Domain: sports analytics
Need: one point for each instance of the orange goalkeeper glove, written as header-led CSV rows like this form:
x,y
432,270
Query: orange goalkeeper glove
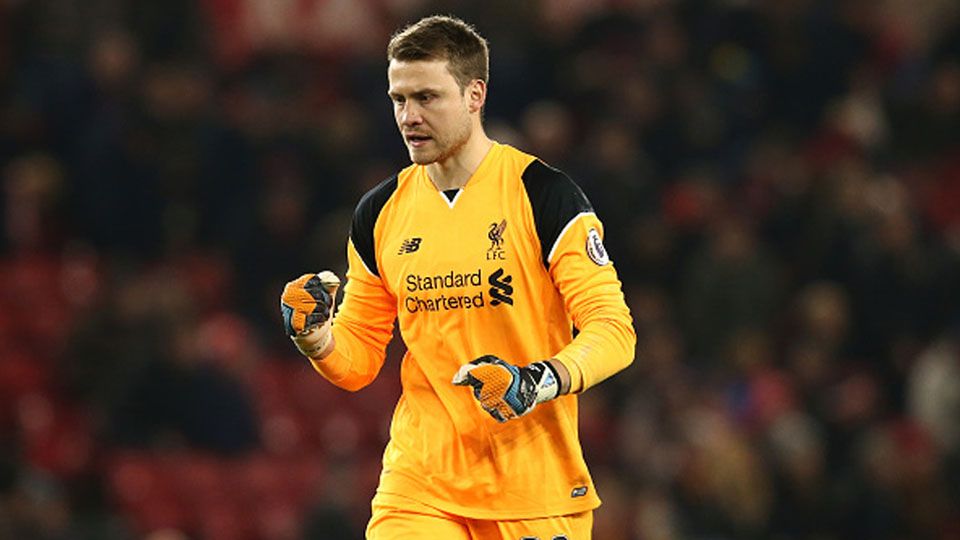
x,y
307,308
507,391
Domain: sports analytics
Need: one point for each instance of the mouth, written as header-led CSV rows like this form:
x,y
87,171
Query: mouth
x,y
417,140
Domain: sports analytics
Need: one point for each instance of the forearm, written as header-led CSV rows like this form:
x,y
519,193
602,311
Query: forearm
x,y
606,342
355,359
603,348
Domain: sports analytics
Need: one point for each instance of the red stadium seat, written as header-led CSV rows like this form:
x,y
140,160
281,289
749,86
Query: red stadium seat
x,y
139,484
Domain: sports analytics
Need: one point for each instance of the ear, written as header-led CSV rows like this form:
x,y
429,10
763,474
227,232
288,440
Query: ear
x,y
476,95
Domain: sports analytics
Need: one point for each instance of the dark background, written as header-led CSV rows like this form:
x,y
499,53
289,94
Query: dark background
x,y
780,187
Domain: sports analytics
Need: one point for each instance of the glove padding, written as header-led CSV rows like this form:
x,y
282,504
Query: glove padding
x,y
307,308
507,391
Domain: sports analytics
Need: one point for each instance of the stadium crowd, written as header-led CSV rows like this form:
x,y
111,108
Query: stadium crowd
x,y
779,183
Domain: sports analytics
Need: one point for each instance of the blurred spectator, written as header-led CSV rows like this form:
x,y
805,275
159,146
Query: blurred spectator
x,y
934,401
730,285
33,188
935,391
182,397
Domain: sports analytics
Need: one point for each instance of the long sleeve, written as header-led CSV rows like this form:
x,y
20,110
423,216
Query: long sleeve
x,y
571,244
362,328
593,297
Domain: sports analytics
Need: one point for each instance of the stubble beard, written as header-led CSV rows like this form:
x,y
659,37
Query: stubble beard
x,y
446,147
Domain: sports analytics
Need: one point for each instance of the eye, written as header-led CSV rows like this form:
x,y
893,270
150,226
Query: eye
x,y
398,99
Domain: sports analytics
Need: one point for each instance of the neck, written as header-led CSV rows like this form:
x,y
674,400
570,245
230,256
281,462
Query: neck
x,y
454,171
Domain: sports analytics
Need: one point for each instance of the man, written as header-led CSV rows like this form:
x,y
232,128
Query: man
x,y
488,258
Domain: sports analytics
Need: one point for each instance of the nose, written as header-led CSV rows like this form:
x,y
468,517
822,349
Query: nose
x,y
409,114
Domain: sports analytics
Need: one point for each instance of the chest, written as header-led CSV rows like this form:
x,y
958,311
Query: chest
x,y
432,248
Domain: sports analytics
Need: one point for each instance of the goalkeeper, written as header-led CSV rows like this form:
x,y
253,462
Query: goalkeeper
x,y
489,259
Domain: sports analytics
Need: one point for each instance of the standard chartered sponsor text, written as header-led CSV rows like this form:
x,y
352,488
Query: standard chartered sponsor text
x,y
416,282
443,302
450,280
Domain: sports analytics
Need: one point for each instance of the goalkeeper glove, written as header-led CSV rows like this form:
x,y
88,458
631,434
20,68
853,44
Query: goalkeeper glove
x,y
507,391
307,308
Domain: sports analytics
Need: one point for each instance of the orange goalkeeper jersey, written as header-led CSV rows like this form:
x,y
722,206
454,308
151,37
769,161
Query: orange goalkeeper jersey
x,y
508,266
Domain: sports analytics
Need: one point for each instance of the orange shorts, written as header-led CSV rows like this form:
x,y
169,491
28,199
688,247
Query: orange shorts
x,y
396,517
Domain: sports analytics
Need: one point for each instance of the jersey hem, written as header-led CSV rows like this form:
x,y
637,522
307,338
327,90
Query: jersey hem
x,y
412,491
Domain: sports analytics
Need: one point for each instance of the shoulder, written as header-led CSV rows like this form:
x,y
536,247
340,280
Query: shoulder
x,y
365,218
555,201
543,183
546,184
373,200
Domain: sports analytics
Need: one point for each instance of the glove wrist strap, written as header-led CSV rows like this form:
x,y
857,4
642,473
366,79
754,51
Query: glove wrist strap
x,y
314,342
548,387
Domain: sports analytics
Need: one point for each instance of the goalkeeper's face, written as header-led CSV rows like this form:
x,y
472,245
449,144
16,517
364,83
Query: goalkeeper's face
x,y
434,114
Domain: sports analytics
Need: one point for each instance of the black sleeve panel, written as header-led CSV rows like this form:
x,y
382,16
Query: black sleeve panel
x,y
364,219
555,200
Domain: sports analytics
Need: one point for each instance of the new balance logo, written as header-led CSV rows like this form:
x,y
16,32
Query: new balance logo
x,y
500,288
410,245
